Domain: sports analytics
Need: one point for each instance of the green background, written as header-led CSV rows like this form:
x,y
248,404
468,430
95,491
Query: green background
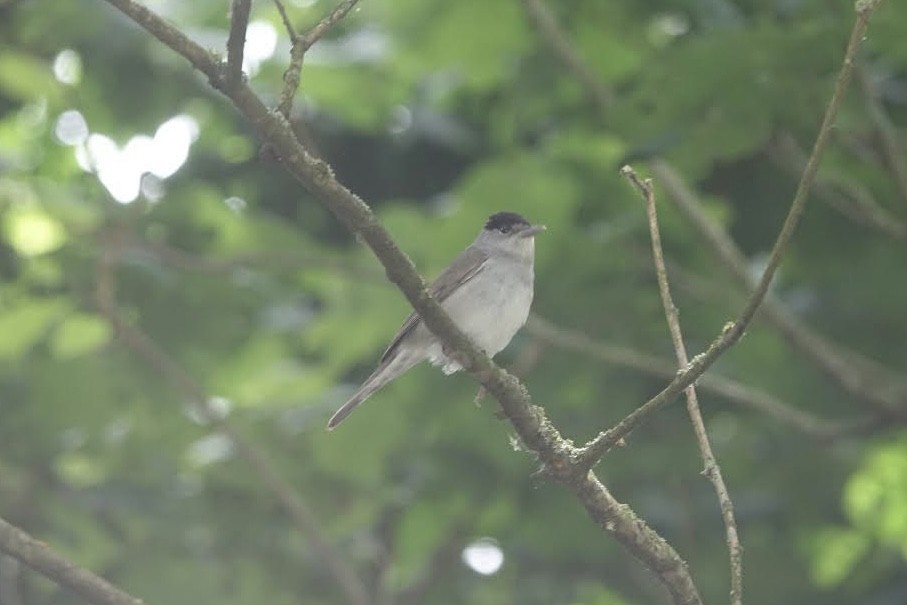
x,y
439,113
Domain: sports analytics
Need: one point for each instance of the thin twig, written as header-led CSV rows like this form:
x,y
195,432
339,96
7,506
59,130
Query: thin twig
x,y
316,33
43,559
886,132
712,470
291,78
146,349
236,41
287,23
733,331
301,45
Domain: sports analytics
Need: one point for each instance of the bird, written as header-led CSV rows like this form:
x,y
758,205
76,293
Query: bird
x,y
487,291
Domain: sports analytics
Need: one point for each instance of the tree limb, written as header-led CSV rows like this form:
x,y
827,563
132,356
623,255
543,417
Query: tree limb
x,y
43,559
712,470
236,42
285,17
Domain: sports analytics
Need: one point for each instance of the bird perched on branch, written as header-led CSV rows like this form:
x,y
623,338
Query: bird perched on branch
x,y
487,291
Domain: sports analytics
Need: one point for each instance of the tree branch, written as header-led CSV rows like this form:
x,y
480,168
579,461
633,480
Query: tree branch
x,y
712,470
40,557
734,330
322,27
287,23
236,41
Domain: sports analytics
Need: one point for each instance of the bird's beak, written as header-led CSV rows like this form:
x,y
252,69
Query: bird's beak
x,y
532,230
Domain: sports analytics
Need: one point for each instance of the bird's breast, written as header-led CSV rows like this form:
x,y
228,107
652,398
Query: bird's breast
x,y
494,305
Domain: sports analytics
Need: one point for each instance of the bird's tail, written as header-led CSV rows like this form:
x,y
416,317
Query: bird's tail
x,y
384,374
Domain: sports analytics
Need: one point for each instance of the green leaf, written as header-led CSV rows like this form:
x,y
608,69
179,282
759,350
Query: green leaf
x,y
80,333
25,78
835,553
478,41
339,89
23,325
32,231
264,372
80,470
876,496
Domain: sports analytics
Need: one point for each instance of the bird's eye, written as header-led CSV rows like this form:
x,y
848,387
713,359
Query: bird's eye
x,y
504,229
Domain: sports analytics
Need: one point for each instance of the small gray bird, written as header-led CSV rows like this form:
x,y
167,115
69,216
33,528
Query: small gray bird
x,y
487,291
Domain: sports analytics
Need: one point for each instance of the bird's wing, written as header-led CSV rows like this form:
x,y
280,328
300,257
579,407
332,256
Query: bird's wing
x,y
469,264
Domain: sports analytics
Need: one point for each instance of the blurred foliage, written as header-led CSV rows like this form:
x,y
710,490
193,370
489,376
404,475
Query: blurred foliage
x,y
437,113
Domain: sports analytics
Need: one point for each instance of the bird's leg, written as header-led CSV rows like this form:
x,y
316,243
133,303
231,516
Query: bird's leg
x,y
480,395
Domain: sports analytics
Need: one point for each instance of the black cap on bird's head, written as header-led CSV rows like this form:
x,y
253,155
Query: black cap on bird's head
x,y
505,220
511,222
